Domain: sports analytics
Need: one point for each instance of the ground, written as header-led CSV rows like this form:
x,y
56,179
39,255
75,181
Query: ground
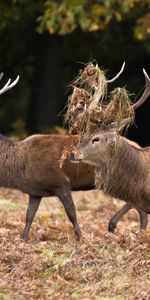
x,y
53,265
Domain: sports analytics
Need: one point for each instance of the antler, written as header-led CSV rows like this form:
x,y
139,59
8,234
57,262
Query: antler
x,y
101,89
146,92
118,74
1,75
8,84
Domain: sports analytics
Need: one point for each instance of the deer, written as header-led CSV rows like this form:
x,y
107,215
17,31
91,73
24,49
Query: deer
x,y
33,166
122,168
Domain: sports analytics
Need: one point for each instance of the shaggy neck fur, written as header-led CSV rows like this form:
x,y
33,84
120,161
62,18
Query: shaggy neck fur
x,y
122,172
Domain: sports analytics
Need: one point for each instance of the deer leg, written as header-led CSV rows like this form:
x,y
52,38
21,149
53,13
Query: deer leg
x,y
143,219
118,215
67,201
31,211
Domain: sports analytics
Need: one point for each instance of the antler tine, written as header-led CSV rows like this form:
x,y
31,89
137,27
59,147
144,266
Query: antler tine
x,y
8,86
98,91
118,74
1,75
146,92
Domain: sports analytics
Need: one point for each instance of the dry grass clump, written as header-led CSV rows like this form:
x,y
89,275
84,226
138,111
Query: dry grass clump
x,y
119,109
87,107
88,111
70,145
77,110
89,85
92,78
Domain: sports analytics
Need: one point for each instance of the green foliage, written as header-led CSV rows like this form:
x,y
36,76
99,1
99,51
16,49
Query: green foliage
x,y
65,16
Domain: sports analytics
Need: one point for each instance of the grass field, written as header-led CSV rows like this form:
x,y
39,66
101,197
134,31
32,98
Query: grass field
x,y
53,265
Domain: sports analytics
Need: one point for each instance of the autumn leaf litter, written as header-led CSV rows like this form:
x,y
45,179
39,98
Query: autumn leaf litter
x,y
54,265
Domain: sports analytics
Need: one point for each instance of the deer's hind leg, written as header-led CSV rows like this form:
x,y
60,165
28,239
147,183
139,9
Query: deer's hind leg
x,y
117,217
143,219
119,214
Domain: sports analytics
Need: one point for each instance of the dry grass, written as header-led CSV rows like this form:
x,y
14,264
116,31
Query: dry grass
x,y
87,108
53,265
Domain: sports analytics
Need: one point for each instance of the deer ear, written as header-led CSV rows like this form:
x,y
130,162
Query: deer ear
x,y
123,124
114,127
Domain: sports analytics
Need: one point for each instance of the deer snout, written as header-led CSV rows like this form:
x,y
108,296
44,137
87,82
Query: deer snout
x,y
75,157
72,157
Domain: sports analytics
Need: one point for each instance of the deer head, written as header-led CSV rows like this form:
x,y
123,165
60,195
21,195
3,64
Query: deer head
x,y
95,148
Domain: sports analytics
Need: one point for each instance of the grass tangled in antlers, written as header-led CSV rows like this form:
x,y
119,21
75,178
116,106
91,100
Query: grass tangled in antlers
x,y
88,109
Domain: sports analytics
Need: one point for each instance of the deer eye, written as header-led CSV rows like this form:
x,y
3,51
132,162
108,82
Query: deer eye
x,y
95,140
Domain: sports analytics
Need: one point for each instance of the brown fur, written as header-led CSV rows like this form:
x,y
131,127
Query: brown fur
x,y
33,166
122,170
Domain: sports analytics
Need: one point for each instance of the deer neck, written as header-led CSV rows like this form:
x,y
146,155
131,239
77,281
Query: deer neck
x,y
115,175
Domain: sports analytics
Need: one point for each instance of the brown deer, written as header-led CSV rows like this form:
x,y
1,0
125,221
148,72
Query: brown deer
x,y
122,170
33,166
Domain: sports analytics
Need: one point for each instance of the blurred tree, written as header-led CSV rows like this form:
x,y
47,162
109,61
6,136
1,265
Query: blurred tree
x,y
17,35
42,40
63,17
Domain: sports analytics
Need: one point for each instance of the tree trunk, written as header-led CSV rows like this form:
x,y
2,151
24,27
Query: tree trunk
x,y
47,93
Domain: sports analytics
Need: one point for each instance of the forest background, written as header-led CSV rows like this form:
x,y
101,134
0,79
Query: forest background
x,y
47,42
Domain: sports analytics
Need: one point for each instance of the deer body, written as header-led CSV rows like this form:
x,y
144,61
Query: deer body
x,y
33,166
122,170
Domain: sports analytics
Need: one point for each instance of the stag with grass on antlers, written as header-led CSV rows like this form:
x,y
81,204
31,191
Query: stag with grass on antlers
x,y
122,168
